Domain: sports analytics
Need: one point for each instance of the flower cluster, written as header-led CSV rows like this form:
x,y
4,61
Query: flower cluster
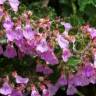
x,y
26,36
19,89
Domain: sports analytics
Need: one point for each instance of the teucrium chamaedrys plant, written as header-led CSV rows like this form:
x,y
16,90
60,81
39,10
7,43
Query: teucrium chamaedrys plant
x,y
50,44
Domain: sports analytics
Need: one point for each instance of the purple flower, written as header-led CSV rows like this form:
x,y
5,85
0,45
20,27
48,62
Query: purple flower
x,y
88,70
92,32
20,79
94,59
39,68
18,33
6,89
35,93
92,79
80,80
66,55
45,92
14,4
52,89
32,43
10,51
49,57
24,47
42,46
47,70
63,43
2,1
16,92
71,90
28,33
1,50
62,80
67,26
21,44
8,24
44,69
10,35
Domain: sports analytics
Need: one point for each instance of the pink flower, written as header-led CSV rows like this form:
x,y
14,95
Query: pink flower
x,y
47,70
49,57
10,35
67,26
62,80
42,46
10,51
52,89
71,90
44,69
2,1
8,23
28,33
66,55
16,92
6,89
63,43
14,4
88,70
39,68
34,91
20,79
18,32
45,92
80,80
92,79
92,32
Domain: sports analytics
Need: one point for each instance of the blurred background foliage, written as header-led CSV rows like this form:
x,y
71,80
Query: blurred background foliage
x,y
75,11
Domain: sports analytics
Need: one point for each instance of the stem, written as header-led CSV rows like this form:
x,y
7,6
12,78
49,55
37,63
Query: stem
x,y
74,7
80,94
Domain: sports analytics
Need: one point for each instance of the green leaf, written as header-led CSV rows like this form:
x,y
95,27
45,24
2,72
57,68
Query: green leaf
x,y
73,61
83,3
